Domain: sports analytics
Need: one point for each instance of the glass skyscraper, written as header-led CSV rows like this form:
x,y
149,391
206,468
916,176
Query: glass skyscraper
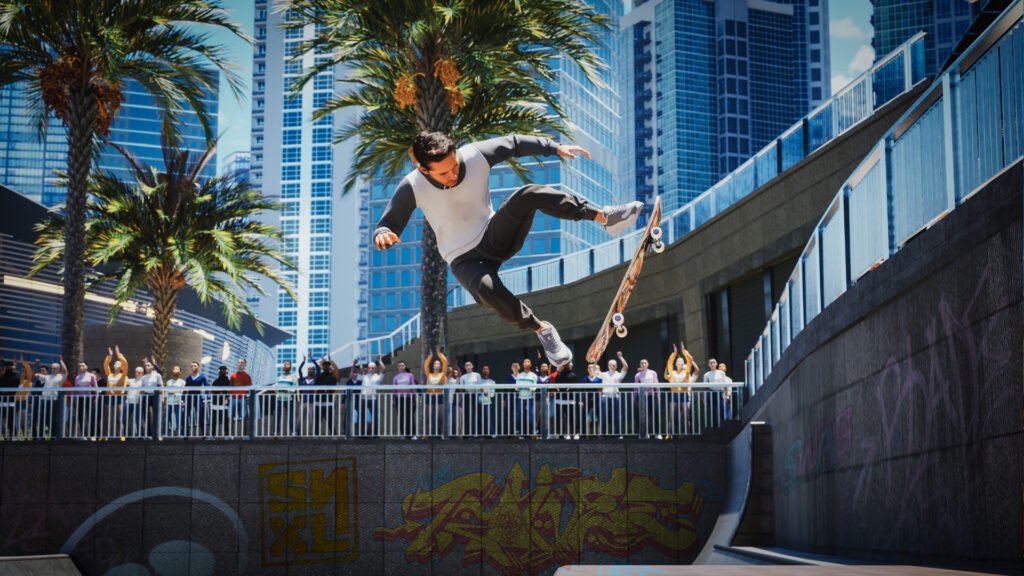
x,y
293,159
713,82
28,164
945,21
389,281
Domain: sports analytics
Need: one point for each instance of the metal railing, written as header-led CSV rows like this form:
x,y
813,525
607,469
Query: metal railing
x,y
890,77
570,411
966,128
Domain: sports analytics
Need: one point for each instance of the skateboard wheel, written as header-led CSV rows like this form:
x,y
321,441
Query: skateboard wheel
x,y
659,247
621,331
656,233
618,319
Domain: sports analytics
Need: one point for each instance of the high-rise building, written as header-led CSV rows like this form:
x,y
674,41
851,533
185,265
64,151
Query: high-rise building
x,y
29,165
293,159
712,82
945,22
238,164
390,280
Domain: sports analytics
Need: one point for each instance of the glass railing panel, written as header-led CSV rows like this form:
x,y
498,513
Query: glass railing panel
x,y
979,123
606,256
888,80
577,265
833,246
743,182
681,222
777,347
820,126
869,221
919,174
792,147
812,284
630,243
1011,58
917,70
514,280
853,105
784,320
545,275
796,296
759,364
766,164
703,209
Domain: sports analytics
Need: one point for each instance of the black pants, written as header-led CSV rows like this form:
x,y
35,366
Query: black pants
x,y
477,270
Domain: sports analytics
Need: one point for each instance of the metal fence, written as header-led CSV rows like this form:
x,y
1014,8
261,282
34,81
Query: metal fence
x,y
570,411
965,128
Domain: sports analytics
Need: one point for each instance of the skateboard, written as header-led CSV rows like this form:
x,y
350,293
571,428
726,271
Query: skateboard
x,y
615,321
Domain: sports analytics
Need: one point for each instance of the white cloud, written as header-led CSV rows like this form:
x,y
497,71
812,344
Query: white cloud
x,y
862,60
846,29
839,81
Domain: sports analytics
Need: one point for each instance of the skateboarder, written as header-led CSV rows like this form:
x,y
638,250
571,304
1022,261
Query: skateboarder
x,y
451,187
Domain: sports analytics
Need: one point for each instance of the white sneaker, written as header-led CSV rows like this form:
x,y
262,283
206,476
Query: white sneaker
x,y
622,217
557,352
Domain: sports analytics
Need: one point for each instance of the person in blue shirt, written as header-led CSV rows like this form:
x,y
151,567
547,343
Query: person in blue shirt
x,y
195,400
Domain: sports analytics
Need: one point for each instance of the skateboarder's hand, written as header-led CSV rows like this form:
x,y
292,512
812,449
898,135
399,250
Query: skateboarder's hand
x,y
570,151
385,240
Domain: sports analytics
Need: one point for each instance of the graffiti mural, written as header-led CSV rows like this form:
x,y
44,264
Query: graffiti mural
x,y
820,451
308,512
516,529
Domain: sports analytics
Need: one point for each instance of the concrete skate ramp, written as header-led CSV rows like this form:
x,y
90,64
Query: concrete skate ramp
x,y
833,570
50,565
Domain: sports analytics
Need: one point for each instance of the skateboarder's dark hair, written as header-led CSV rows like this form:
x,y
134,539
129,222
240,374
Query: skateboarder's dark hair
x,y
429,147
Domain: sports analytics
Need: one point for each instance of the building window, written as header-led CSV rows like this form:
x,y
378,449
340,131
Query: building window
x,y
322,171
320,190
321,226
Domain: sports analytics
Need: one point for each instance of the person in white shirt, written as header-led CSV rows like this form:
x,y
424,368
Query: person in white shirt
x,y
374,376
286,413
152,379
131,415
451,187
650,395
173,400
485,399
610,415
48,399
464,401
526,380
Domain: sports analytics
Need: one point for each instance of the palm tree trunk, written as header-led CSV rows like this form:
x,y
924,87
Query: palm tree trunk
x,y
433,296
81,125
432,114
164,300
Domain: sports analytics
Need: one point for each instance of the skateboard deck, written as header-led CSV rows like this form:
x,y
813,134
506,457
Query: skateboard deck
x,y
629,279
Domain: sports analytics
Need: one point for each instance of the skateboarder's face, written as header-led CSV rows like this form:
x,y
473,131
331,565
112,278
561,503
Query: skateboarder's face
x,y
445,171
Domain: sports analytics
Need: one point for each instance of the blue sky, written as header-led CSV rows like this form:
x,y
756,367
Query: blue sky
x,y
849,28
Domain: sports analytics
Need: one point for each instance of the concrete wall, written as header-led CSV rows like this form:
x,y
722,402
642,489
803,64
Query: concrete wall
x,y
361,508
897,413
767,228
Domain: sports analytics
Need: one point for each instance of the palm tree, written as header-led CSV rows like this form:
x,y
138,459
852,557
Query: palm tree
x,y
168,230
472,68
72,56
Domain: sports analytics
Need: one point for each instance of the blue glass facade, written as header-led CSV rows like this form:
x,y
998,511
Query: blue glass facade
x,y
28,164
713,82
390,282
945,21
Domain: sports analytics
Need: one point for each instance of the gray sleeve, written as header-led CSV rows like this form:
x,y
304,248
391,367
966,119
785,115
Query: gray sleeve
x,y
515,146
398,212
